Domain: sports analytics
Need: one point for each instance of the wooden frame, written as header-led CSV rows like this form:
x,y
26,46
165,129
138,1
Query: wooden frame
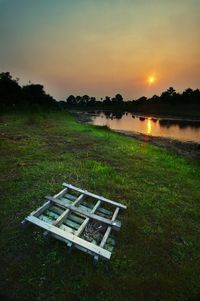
x,y
80,219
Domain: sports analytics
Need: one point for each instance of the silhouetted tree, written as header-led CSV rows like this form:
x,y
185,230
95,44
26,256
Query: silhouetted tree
x,y
92,101
78,99
167,95
71,100
119,98
107,101
10,90
85,99
35,94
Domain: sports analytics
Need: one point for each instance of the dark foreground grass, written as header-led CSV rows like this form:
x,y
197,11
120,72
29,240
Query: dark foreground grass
x,y
157,256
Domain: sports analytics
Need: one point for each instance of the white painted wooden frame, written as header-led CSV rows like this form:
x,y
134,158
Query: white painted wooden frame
x,y
67,217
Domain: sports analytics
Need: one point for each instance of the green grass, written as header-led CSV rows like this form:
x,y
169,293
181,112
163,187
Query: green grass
x,y
157,256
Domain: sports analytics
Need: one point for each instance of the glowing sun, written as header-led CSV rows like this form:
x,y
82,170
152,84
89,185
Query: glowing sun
x,y
151,80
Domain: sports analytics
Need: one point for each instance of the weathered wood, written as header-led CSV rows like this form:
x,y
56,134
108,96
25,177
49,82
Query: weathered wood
x,y
69,197
61,193
84,224
51,214
94,196
74,217
71,224
72,214
69,237
63,216
114,224
67,228
57,210
45,206
48,204
46,219
41,209
107,233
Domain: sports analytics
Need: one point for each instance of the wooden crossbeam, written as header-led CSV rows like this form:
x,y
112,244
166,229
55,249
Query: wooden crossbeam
x,y
114,224
107,233
69,237
46,205
86,221
94,196
63,216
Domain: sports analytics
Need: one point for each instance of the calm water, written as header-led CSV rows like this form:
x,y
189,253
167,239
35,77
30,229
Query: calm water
x,y
177,129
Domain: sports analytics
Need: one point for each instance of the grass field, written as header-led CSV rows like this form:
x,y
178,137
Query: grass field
x,y
157,256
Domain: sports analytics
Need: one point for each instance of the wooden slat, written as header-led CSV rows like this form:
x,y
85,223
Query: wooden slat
x,y
86,221
67,228
66,201
41,209
57,210
94,196
85,209
85,203
114,224
107,233
51,214
45,206
76,218
61,193
70,197
71,224
69,237
61,218
46,219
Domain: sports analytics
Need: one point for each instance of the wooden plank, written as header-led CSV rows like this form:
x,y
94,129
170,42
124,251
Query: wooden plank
x,y
107,233
114,224
84,224
104,211
70,197
63,216
61,193
74,217
94,196
71,224
66,201
45,206
88,205
46,219
67,228
69,244
51,214
69,237
41,209
84,209
57,210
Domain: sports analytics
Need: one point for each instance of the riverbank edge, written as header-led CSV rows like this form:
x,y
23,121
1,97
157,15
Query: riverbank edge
x,y
186,148
164,116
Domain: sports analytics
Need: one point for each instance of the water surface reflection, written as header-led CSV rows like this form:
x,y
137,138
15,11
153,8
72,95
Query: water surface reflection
x,y
171,128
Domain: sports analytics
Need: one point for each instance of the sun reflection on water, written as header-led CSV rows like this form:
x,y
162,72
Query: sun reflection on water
x,y
149,126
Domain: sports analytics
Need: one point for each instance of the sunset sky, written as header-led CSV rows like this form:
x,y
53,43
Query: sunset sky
x,y
102,47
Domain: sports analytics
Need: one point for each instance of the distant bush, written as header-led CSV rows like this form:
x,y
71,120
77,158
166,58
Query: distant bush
x,y
168,100
13,95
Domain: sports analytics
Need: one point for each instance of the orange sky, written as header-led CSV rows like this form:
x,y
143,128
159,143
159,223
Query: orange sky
x,y
102,47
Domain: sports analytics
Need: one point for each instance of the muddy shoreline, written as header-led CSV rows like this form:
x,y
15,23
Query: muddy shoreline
x,y
187,148
191,149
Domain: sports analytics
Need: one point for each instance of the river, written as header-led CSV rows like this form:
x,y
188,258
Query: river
x,y
180,129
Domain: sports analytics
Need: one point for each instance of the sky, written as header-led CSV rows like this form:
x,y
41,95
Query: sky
x,y
102,47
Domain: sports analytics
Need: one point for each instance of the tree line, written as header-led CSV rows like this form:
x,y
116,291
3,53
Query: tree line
x,y
170,96
12,94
